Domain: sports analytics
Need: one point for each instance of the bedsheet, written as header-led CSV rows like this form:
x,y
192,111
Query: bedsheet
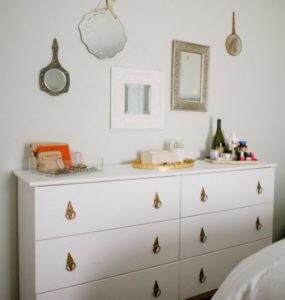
x,y
260,276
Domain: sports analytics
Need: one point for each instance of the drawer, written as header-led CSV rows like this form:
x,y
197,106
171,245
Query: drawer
x,y
137,285
104,205
204,193
103,254
210,232
207,272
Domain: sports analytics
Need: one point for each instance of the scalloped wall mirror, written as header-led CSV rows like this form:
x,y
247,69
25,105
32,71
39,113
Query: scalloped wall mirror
x,y
102,32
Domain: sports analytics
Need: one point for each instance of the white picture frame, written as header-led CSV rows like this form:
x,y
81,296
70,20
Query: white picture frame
x,y
137,99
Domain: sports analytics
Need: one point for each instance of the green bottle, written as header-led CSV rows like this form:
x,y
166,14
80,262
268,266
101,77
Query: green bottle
x,y
219,140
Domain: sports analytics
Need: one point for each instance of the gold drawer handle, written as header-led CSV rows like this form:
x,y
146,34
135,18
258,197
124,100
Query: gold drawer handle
x,y
70,212
203,237
156,247
156,202
203,196
70,264
156,290
259,188
202,276
258,224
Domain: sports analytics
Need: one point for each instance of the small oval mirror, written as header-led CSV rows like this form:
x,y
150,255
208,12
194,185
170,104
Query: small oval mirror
x,y
54,79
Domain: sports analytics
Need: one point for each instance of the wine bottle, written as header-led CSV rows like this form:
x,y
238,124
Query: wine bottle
x,y
219,140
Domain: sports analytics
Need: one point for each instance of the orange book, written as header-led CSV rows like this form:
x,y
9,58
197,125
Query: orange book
x,y
63,148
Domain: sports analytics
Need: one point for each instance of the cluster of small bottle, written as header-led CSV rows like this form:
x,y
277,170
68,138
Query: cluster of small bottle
x,y
233,150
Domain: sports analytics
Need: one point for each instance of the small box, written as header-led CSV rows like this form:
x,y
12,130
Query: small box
x,y
158,157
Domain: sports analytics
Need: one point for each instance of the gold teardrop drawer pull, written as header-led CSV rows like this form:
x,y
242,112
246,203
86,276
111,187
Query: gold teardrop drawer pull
x,y
70,264
258,224
156,290
203,196
70,213
156,247
259,188
203,237
156,202
202,276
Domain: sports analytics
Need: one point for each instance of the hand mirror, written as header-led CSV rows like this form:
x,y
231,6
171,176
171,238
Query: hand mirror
x,y
233,41
54,79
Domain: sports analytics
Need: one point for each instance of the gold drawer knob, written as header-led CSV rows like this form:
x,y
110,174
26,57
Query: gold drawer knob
x,y
156,247
70,264
202,276
203,237
156,290
203,196
258,224
259,188
156,202
70,212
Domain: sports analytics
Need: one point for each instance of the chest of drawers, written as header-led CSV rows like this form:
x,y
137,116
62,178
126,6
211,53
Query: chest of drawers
x,y
128,234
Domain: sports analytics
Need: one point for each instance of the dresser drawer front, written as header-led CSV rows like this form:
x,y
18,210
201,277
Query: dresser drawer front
x,y
104,205
103,254
204,193
211,232
137,285
216,266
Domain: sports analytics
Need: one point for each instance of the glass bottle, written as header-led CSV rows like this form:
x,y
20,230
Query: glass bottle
x,y
219,140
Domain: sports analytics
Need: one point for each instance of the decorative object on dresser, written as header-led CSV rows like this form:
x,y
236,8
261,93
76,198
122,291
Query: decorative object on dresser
x,y
137,98
57,159
178,235
102,32
233,41
189,83
234,152
163,160
54,79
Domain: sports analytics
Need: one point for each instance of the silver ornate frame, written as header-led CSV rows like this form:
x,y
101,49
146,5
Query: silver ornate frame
x,y
178,103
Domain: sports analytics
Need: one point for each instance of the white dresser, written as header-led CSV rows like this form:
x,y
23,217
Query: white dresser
x,y
129,234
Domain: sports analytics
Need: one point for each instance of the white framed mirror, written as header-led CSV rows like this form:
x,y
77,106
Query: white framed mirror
x,y
189,86
137,99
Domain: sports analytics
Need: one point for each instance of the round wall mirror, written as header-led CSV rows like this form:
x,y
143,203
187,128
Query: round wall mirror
x,y
54,79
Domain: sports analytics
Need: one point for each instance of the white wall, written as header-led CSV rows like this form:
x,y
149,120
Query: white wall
x,y
245,91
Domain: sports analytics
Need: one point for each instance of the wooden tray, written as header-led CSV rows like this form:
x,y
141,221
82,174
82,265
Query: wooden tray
x,y
232,162
170,166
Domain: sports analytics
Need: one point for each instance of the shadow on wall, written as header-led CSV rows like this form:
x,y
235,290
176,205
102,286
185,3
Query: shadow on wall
x,y
205,152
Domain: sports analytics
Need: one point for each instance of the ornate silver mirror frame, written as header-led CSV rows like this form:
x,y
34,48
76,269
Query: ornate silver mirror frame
x,y
54,79
189,84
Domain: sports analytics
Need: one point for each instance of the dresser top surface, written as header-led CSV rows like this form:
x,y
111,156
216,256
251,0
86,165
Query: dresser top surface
x,y
127,172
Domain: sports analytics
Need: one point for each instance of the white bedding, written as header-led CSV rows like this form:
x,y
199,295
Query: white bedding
x,y
260,276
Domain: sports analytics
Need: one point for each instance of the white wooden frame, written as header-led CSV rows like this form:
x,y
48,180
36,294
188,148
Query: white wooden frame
x,y
121,120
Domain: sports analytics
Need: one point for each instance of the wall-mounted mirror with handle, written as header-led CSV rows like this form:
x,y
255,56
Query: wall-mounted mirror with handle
x,y
189,76
54,79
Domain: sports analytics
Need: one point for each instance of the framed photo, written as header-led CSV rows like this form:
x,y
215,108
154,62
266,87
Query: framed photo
x,y
137,99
